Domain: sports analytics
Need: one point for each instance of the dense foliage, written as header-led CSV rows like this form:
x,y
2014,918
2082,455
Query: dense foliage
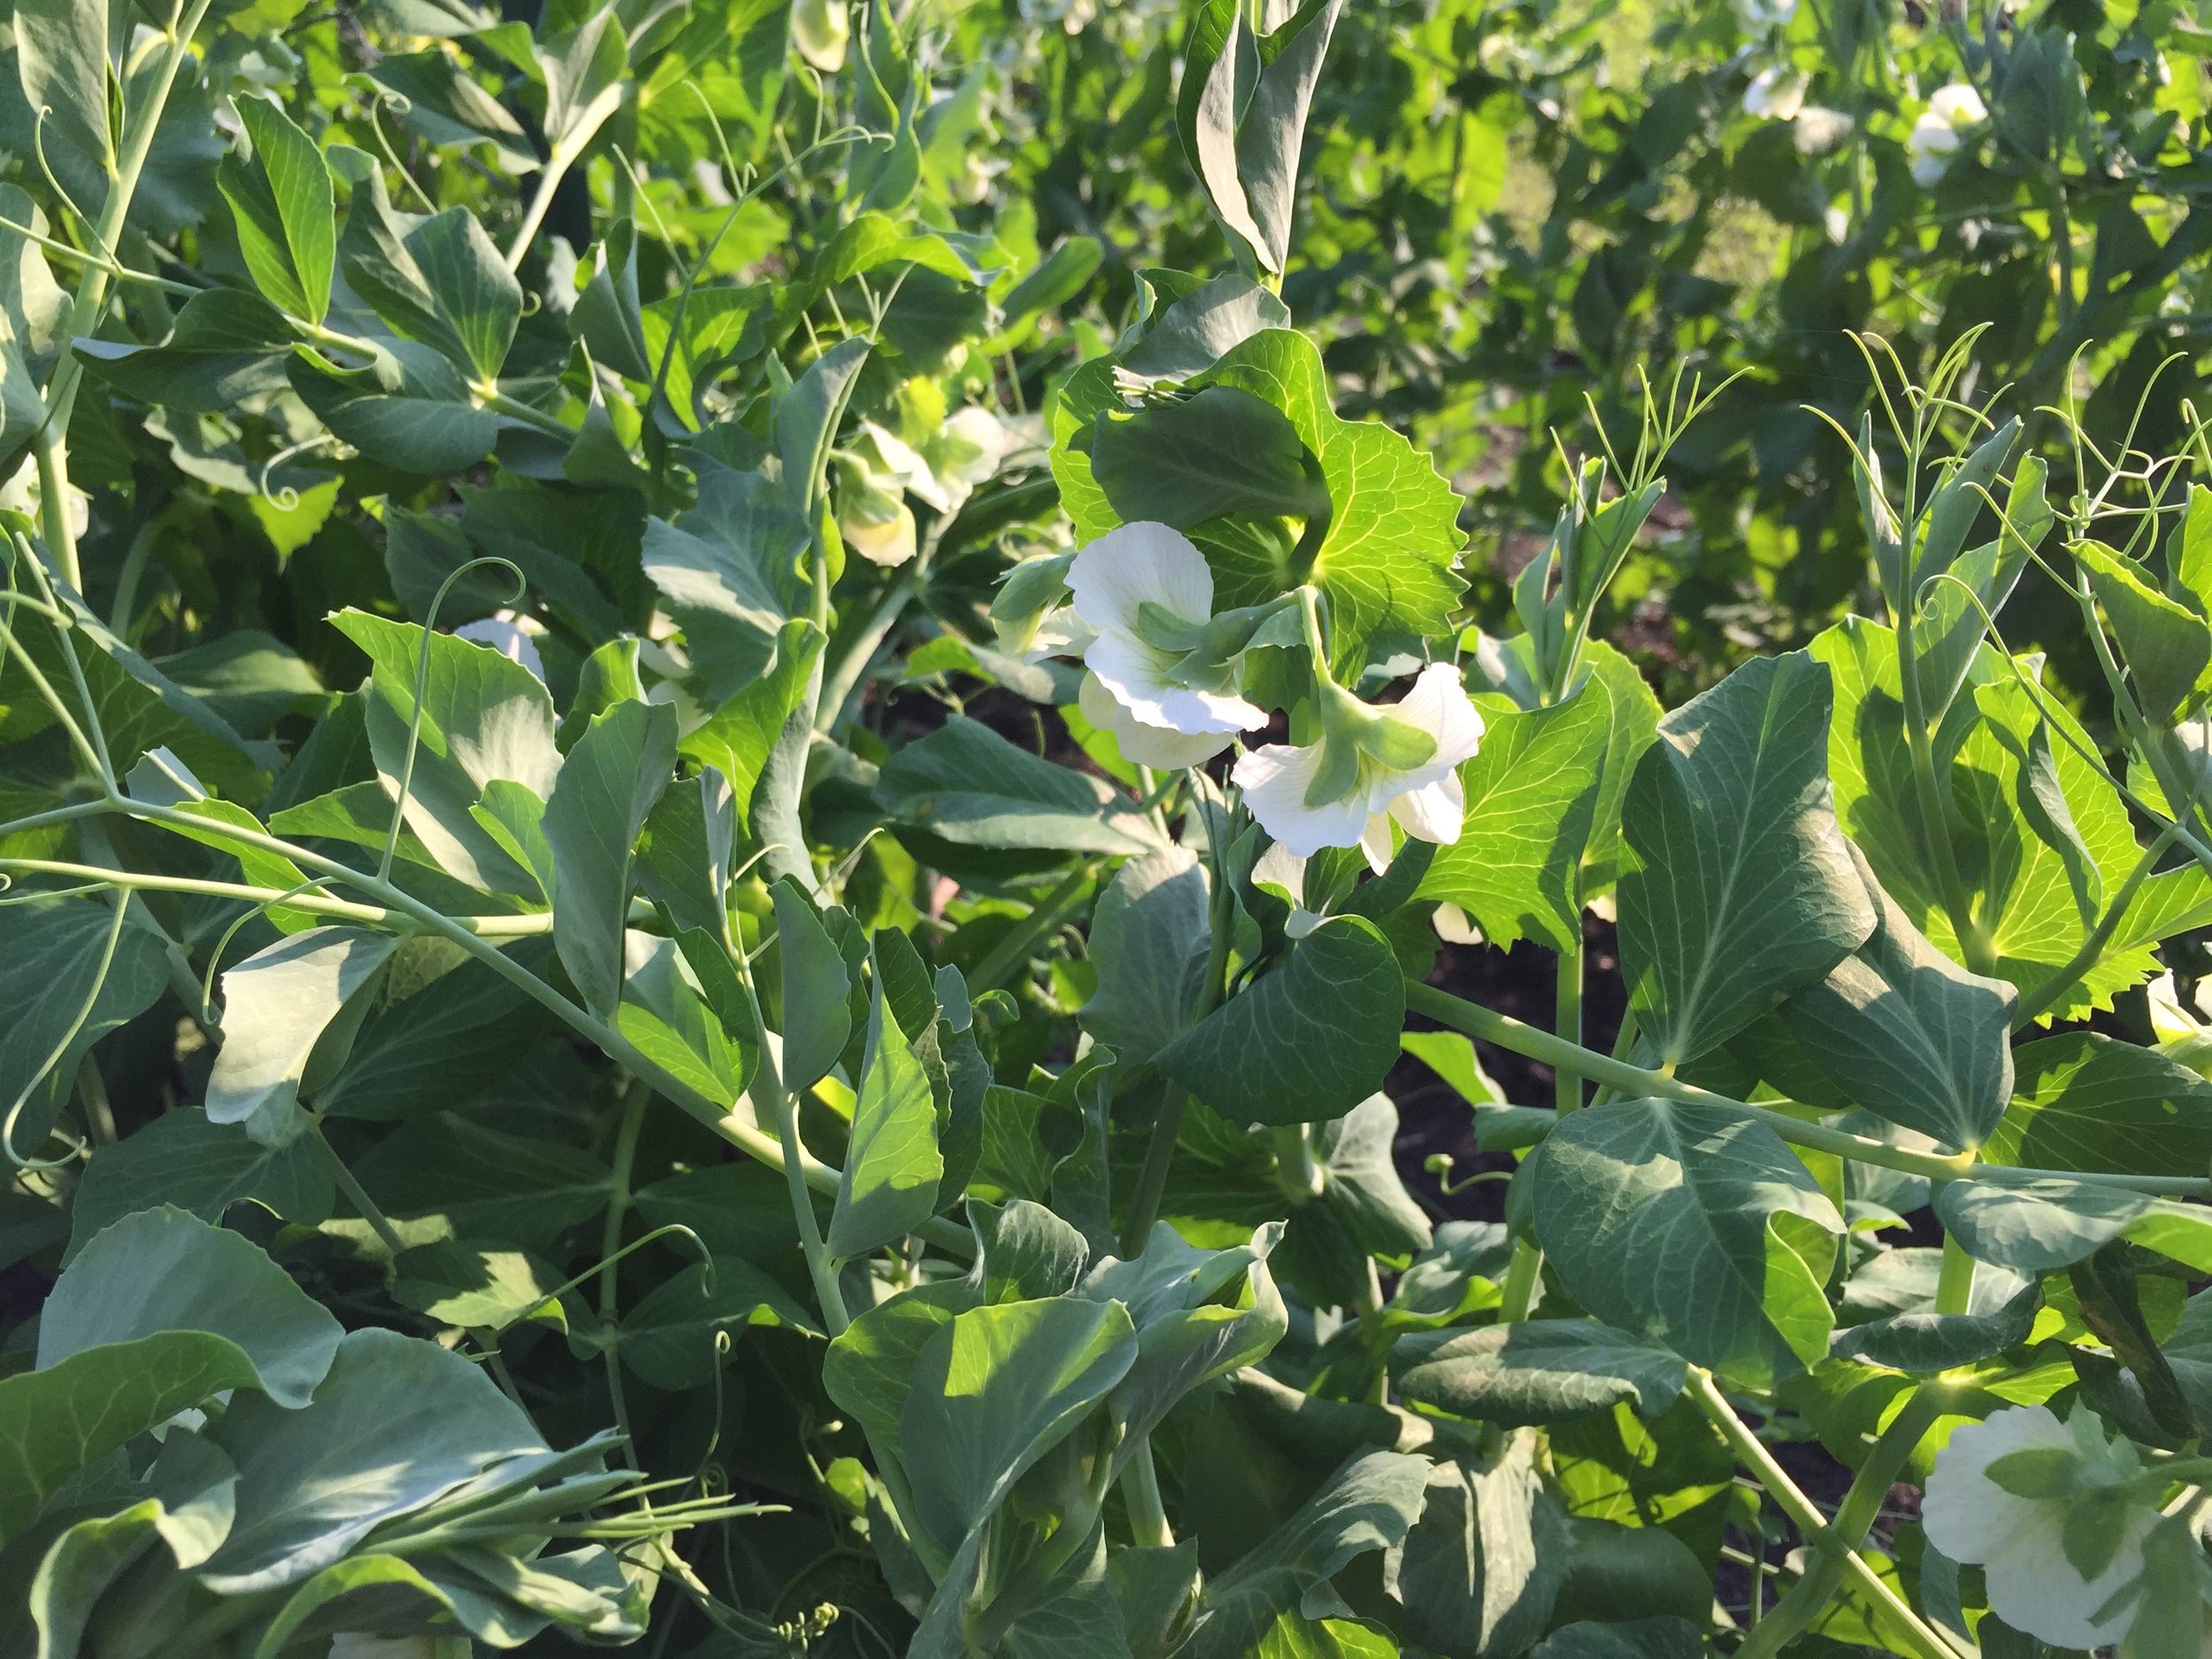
x,y
747,747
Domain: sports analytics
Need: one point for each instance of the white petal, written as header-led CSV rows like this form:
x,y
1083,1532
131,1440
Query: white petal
x,y
1453,927
1060,633
2034,1587
1191,710
1959,104
1440,706
1968,1516
1280,867
1376,842
1135,673
1144,745
1126,567
1435,812
1274,779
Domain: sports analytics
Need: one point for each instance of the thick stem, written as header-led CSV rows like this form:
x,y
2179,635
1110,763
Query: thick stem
x,y
1954,1285
1925,1642
610,1238
1521,1279
1141,1491
1567,1022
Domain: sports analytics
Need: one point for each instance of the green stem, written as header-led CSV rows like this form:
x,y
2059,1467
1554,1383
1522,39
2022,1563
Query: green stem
x,y
840,683
1925,1642
358,1195
1567,1022
1521,1279
1954,1285
2038,1001
92,293
1636,1082
1141,1491
1047,914
611,1238
1823,1575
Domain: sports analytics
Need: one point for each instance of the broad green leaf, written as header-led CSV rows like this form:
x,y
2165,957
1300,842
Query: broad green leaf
x,y
2084,1100
1024,1251
438,280
370,1573
182,1159
741,1209
698,1037
1191,334
1360,1180
599,804
2167,647
1692,1227
737,742
1737,889
2019,883
227,345
586,71
1663,1636
817,1016
423,424
290,1013
1479,1572
1272,131
1927,1342
475,1286
889,1185
670,1337
314,1482
287,220
1150,935
80,1565
1531,793
50,974
523,1190
1909,1034
444,105
1223,451
1310,1040
1185,1337
62,62
166,1270
1058,278
2034,1226
964,783
483,718
1368,1503
727,570
1385,561
1958,501
57,1422
993,1391
808,417
427,1045
606,317
1552,1370
33,319
869,1369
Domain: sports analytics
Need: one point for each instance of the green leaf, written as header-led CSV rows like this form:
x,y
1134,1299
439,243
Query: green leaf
x,y
1737,889
1552,1370
287,212
727,572
1309,1041
670,1337
869,1369
437,280
80,1565
61,58
1479,1571
1694,1227
227,346
182,1159
166,1270
423,423
1272,130
1024,1251
1384,563
606,317
1057,279
1221,450
279,1007
484,717
606,789
889,1185
1150,935
475,1284
1370,1504
1667,1636
1532,791
50,973
807,419
738,740
817,1016
312,1483
1929,1342
683,1007
433,1044
994,1390
54,1423
1189,1332
2166,645
336,1582
1908,1033
2034,1226
2084,1100
523,1190
964,783
586,71
1353,1155
742,1209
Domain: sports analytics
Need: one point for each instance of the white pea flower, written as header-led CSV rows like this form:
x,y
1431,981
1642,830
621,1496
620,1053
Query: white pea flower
x,y
1149,593
1059,633
1777,93
967,454
1424,796
1959,104
1285,871
1453,926
509,634
1142,743
1935,136
1757,16
1976,1510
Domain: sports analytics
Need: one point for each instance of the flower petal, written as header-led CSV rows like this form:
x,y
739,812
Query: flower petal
x,y
1436,813
1142,744
1967,1515
1274,778
1138,563
2034,1587
1376,842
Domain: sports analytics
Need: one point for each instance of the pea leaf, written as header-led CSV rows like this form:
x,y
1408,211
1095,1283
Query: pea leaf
x,y
182,1159
1552,1370
1737,889
287,212
966,784
290,1013
1692,1227
889,1185
1150,935
816,1017
1385,562
50,960
2084,1100
227,345
1532,794
669,1337
1309,1041
606,789
2034,1226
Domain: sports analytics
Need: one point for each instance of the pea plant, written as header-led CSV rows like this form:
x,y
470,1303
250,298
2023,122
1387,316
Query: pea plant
x,y
713,895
